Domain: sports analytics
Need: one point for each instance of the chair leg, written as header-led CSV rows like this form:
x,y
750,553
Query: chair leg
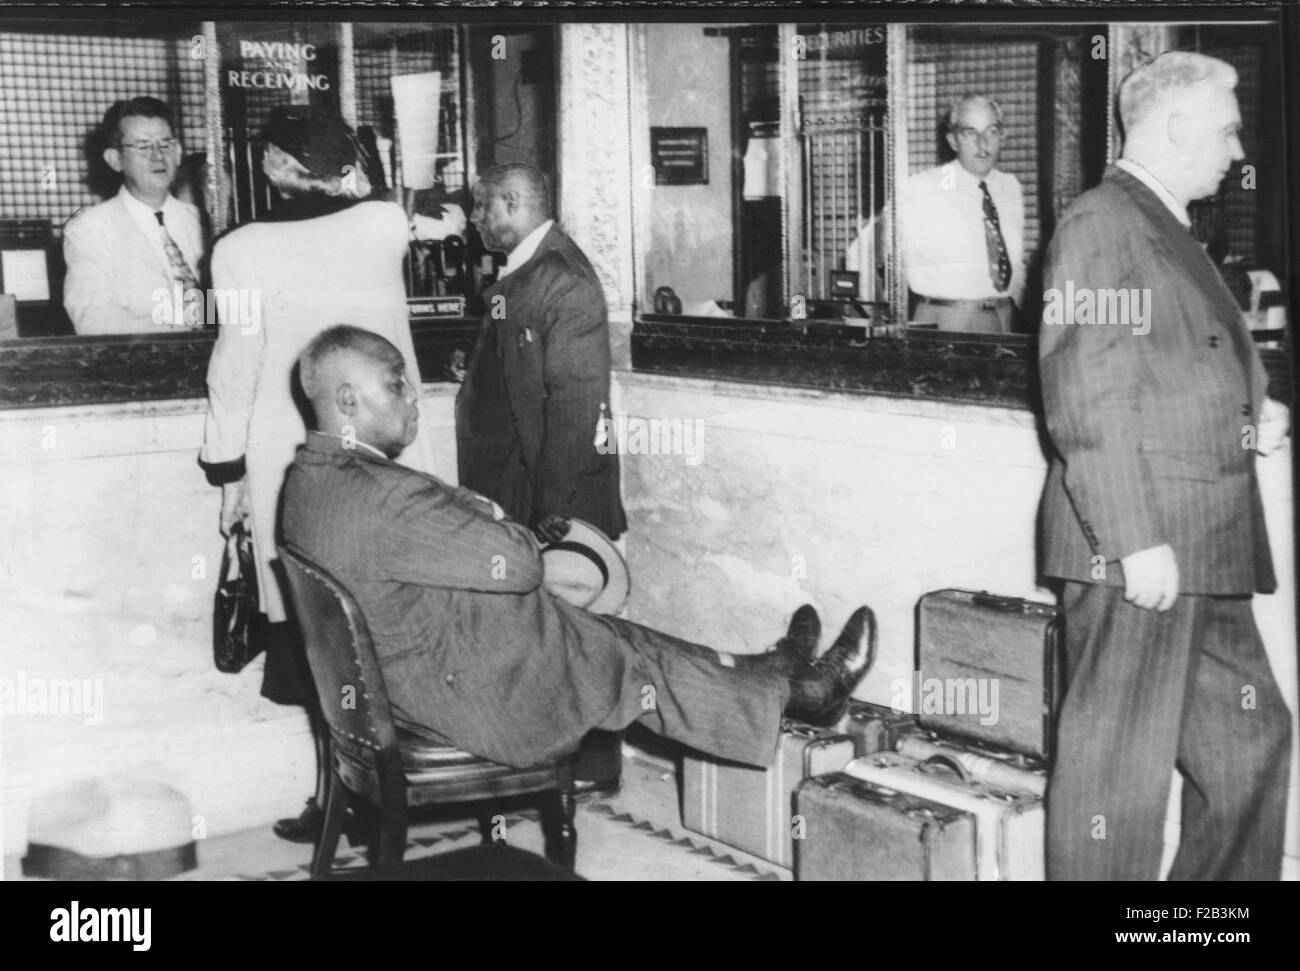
x,y
392,837
561,835
336,802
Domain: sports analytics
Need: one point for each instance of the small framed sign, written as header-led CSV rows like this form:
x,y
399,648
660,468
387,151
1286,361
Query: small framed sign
x,y
25,273
424,308
680,155
844,284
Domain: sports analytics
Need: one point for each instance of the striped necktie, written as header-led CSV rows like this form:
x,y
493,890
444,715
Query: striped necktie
x,y
999,261
183,274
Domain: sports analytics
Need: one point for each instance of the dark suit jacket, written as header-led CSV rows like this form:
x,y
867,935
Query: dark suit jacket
x,y
1148,430
469,642
526,416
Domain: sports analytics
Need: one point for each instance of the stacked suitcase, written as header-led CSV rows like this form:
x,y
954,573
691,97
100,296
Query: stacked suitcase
x,y
749,808
955,792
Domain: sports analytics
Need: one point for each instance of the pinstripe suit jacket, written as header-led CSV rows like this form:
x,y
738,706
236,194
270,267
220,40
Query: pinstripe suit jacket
x,y
526,415
470,644
1148,429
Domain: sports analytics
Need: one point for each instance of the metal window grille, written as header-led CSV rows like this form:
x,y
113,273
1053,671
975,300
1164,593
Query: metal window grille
x,y
842,159
54,90
845,141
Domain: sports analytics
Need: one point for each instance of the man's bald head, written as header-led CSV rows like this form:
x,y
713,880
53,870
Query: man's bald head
x,y
333,355
510,201
356,383
524,179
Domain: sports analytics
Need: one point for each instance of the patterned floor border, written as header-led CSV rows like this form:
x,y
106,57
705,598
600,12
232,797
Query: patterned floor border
x,y
422,846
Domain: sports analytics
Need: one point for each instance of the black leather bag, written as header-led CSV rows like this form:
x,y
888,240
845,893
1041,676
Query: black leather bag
x,y
239,629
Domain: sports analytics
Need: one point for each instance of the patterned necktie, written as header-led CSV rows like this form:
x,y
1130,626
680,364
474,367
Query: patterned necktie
x,y
183,274
999,261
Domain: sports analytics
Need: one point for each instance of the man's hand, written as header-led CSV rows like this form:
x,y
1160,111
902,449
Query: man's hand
x,y
1274,425
234,504
551,528
1151,578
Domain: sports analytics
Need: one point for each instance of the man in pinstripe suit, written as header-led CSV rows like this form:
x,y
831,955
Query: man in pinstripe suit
x,y
1155,402
470,644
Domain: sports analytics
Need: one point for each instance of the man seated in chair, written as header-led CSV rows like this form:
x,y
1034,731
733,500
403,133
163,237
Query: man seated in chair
x,y
471,645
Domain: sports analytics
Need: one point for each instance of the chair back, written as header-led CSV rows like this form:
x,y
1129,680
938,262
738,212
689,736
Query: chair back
x,y
349,683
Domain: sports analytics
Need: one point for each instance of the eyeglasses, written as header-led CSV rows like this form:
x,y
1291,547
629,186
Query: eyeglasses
x,y
163,146
970,134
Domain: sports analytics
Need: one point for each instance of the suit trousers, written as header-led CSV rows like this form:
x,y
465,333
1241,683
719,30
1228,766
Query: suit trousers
x,y
1147,692
685,692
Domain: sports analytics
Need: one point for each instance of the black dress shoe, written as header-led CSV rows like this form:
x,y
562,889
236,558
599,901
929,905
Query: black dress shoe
x,y
793,652
804,633
306,827
819,694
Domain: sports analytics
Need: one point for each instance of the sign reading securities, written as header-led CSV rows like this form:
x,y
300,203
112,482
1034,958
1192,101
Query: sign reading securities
x,y
680,155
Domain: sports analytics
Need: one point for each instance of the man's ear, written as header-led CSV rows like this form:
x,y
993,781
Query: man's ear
x,y
345,399
1178,127
511,198
113,158
952,141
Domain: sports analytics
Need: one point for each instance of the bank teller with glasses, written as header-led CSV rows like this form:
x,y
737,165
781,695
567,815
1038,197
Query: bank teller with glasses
x,y
130,255
963,228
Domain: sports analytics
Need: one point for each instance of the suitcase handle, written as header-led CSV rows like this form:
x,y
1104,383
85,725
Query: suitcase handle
x,y
950,762
986,599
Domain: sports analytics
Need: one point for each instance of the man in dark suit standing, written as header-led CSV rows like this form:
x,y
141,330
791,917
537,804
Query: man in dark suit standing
x,y
536,387
538,378
471,645
1155,402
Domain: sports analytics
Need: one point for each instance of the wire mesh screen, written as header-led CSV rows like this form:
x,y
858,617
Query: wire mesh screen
x,y
942,72
54,90
386,50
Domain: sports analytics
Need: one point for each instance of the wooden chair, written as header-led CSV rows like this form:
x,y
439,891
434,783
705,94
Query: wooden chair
x,y
393,765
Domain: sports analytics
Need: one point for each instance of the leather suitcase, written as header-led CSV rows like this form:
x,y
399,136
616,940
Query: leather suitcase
x,y
749,808
990,669
876,728
1010,828
855,830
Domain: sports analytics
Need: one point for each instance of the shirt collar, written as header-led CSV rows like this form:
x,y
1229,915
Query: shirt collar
x,y
1143,175
338,441
968,178
142,212
522,253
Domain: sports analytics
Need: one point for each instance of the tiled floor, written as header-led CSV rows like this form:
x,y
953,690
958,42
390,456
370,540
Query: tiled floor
x,y
635,835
